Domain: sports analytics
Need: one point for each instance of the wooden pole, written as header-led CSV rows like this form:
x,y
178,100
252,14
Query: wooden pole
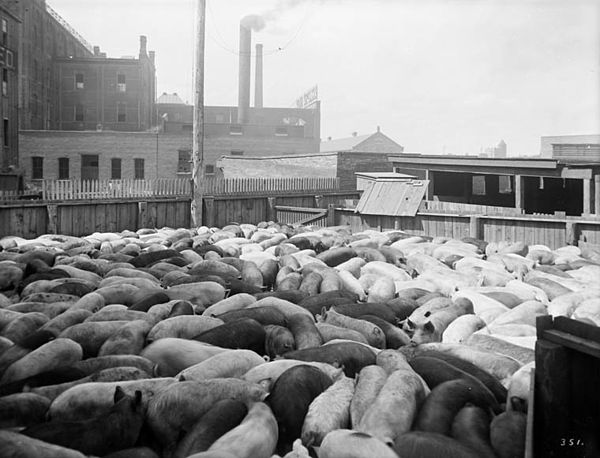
x,y
198,132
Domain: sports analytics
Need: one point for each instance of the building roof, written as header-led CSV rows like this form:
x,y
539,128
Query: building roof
x,y
385,175
343,144
392,198
170,98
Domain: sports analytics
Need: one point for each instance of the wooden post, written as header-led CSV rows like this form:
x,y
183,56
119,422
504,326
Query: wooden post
x,y
271,210
597,194
571,233
142,215
210,211
331,215
319,201
429,191
198,133
52,218
587,196
475,227
519,192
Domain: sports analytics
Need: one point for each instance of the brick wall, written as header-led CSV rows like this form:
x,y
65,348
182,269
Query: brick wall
x,y
128,146
351,162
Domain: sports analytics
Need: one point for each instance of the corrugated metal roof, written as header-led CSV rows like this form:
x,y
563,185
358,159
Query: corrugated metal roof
x,y
392,198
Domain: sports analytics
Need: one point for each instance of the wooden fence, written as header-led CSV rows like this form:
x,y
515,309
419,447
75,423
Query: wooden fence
x,y
436,206
552,231
60,190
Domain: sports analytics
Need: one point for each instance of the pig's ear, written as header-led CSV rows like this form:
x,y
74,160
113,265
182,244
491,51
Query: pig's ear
x,y
119,394
429,327
410,324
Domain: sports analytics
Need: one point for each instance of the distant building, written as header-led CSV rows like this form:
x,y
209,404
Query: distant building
x,y
585,148
9,89
369,143
341,164
496,151
100,93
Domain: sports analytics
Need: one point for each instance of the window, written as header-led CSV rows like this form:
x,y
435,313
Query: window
x,y
9,59
115,168
504,184
63,168
209,170
281,131
79,112
5,131
4,33
138,168
121,86
478,184
121,112
235,129
4,81
78,80
37,168
219,118
184,162
237,152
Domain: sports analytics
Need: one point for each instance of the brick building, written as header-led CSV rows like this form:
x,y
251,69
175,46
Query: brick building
x,y
9,89
44,37
100,93
368,143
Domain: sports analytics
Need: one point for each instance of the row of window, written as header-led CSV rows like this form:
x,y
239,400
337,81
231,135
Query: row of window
x,y
121,84
79,112
89,167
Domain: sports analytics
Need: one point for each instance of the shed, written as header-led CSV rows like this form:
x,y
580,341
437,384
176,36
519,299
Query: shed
x,y
400,197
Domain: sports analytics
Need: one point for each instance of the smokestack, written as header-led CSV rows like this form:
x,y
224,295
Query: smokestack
x,y
152,56
258,77
244,75
143,40
96,51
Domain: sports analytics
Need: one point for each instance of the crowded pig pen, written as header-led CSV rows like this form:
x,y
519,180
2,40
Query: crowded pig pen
x,y
271,340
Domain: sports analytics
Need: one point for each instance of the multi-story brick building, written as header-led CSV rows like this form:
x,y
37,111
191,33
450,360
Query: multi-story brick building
x,y
9,89
98,93
45,36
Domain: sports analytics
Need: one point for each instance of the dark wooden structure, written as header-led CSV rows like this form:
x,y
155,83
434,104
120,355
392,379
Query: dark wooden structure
x,y
567,399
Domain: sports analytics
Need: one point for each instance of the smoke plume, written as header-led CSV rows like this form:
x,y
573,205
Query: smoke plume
x,y
258,22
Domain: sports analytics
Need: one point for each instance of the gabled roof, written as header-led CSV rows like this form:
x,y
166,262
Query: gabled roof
x,y
170,98
343,144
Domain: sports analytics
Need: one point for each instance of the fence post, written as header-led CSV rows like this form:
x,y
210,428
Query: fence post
x,y
475,227
142,221
571,232
331,215
271,210
52,218
319,201
209,214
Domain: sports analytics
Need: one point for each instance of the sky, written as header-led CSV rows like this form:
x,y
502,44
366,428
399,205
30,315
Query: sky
x,y
438,76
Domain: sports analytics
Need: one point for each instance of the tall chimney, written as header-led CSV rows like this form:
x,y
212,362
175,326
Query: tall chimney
x,y
244,75
143,40
258,77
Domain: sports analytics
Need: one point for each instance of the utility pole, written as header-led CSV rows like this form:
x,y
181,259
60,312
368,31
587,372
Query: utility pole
x,y
198,132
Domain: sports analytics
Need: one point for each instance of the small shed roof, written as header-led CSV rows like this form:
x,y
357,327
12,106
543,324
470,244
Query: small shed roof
x,y
392,198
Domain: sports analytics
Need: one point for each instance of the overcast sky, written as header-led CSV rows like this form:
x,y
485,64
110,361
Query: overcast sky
x,y
438,76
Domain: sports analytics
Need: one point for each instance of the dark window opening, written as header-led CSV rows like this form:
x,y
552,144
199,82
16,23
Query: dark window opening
x,y
138,168
115,169
209,170
4,32
505,184
78,80
478,185
281,131
121,85
237,152
235,129
37,168
5,131
4,81
63,168
79,112
184,161
121,112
